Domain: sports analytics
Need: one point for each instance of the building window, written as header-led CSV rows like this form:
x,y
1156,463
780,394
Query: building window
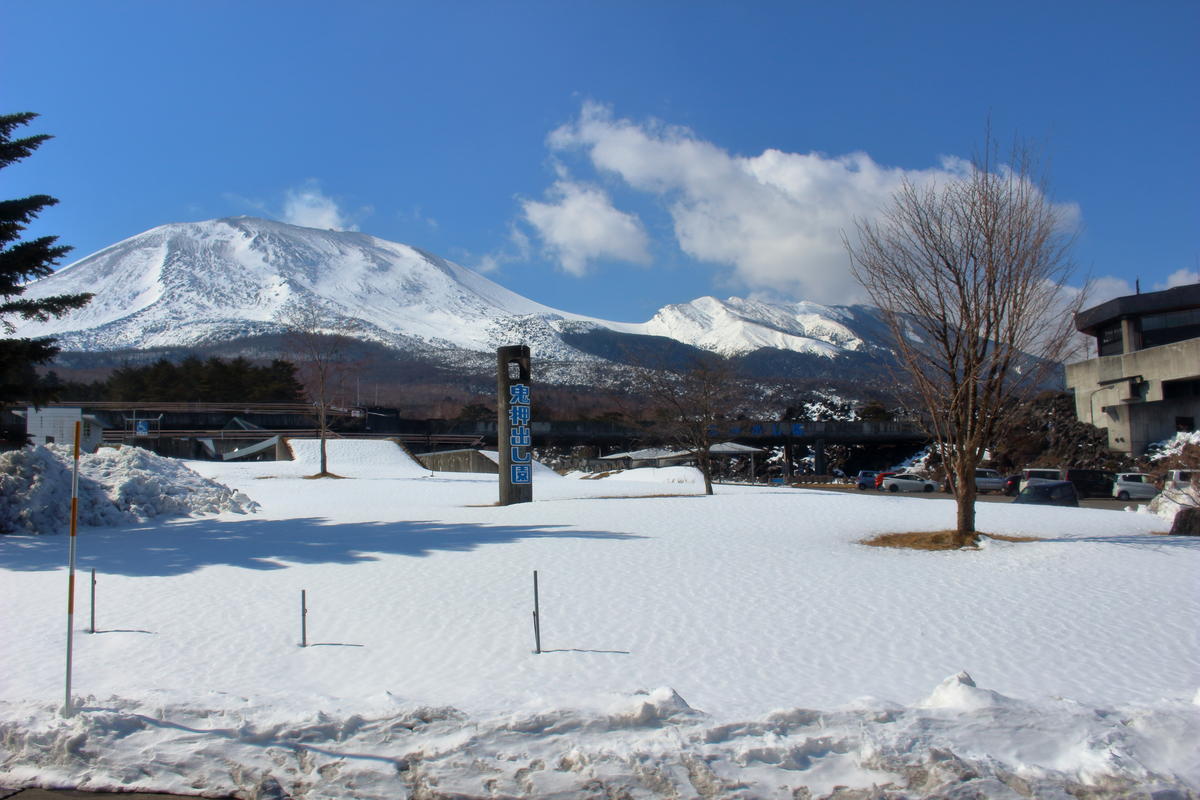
x,y
1170,326
1181,390
1110,340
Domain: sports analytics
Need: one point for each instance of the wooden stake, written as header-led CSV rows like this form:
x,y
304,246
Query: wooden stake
x,y
303,618
537,619
68,709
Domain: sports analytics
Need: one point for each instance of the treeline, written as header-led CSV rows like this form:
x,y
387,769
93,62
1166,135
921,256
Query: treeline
x,y
192,380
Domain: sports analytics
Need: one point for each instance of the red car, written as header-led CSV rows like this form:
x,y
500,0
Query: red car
x,y
879,478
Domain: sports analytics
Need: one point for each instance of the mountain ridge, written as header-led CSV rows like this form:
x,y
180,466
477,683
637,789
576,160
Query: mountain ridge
x,y
197,284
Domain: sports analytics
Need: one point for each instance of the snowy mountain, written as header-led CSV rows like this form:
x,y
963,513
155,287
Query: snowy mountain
x,y
192,285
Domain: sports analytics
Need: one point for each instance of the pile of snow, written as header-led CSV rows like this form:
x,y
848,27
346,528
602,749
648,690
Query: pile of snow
x,y
1157,451
116,487
1166,504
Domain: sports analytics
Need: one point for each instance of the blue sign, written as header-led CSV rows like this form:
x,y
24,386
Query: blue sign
x,y
519,439
141,427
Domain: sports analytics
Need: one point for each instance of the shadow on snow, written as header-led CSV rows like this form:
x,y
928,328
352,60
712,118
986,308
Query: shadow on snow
x,y
165,549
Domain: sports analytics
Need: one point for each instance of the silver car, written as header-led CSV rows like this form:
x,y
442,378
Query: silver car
x,y
1134,486
988,480
907,482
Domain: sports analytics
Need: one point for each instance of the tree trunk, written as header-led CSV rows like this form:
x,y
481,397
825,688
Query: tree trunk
x,y
965,494
323,432
965,533
706,471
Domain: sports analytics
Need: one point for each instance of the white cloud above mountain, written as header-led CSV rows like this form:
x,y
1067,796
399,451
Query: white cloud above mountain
x,y
776,220
579,225
308,206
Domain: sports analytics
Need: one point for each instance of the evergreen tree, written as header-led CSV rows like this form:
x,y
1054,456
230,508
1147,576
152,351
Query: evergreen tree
x,y
21,262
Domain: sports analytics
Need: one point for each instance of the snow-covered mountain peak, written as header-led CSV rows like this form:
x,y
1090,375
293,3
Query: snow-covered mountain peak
x,y
736,326
189,285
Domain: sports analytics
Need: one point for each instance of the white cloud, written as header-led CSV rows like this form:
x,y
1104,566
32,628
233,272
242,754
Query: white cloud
x,y
1181,277
1101,290
310,207
579,225
518,249
775,219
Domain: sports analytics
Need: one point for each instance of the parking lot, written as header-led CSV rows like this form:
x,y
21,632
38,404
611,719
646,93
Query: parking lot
x,y
1095,502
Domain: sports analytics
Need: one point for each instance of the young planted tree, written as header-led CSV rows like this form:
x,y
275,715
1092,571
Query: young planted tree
x,y
971,276
688,404
20,263
321,355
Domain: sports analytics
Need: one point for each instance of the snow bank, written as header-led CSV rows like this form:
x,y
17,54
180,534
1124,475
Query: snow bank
x,y
116,487
357,457
689,476
1167,503
963,742
540,470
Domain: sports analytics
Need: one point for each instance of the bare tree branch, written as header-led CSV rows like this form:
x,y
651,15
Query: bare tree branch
x,y
320,352
970,275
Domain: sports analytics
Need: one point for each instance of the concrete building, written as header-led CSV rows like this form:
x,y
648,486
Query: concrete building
x,y
1144,384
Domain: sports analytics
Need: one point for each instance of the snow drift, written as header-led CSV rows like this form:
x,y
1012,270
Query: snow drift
x,y
116,487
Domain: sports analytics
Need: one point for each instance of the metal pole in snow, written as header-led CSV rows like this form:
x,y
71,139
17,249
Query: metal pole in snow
x,y
303,618
93,628
68,710
537,619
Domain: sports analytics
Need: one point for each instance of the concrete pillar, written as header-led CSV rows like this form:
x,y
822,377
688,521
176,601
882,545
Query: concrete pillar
x,y
514,425
819,465
1130,338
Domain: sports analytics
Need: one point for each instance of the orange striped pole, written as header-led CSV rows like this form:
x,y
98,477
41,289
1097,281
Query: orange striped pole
x,y
68,710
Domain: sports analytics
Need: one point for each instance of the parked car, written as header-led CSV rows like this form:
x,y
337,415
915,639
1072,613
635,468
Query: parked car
x,y
988,480
907,482
1028,475
1134,486
866,479
1049,493
1088,482
1179,478
1092,482
879,476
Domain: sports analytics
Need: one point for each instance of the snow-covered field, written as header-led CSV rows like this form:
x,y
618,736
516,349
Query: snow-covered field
x,y
740,645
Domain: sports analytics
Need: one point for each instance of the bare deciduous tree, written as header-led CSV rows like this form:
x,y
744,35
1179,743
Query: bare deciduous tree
x,y
971,276
688,403
320,354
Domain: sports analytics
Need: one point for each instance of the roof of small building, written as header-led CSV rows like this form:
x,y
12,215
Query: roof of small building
x,y
657,453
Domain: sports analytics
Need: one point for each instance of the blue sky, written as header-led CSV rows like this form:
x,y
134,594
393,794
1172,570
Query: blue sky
x,y
607,158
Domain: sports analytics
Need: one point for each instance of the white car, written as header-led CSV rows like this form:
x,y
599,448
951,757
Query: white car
x,y
1134,486
1179,478
907,482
